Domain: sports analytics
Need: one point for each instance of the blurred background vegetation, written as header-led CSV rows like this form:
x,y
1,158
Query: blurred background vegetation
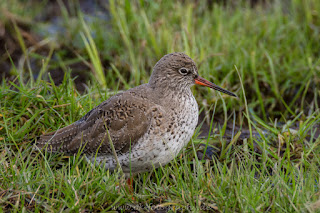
x,y
274,44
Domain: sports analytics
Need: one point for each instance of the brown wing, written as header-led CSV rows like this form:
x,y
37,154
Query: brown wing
x,y
126,117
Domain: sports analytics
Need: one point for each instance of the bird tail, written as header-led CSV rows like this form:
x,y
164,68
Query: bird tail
x,y
57,140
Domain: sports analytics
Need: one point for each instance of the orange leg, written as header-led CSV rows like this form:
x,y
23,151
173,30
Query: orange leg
x,y
130,186
129,183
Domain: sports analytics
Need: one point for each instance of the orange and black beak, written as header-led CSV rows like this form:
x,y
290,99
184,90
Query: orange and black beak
x,y
204,82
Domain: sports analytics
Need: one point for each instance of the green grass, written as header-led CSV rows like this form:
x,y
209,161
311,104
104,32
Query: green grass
x,y
268,55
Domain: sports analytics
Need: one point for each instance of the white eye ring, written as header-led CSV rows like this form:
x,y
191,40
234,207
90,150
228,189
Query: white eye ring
x,y
183,71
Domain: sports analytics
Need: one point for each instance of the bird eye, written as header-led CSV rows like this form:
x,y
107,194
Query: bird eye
x,y
183,71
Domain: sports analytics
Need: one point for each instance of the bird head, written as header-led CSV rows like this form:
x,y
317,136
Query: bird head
x,y
177,70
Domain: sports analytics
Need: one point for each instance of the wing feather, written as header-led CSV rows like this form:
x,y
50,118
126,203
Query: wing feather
x,y
126,117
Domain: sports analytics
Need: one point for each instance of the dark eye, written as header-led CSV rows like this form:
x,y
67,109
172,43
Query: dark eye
x,y
183,71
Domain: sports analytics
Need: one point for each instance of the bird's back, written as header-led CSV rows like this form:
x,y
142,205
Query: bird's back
x,y
126,116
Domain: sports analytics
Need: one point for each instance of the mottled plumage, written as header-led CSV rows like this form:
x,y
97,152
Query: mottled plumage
x,y
148,124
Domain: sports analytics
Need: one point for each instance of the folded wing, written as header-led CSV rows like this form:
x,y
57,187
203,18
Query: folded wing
x,y
127,118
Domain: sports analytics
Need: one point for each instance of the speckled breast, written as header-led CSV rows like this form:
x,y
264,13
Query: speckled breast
x,y
159,149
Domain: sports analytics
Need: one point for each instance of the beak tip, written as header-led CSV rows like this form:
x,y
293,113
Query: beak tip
x,y
204,82
233,95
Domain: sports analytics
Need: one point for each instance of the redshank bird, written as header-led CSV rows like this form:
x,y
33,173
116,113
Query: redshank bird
x,y
148,125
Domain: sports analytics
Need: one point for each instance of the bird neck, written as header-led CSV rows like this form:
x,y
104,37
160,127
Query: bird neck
x,y
165,86
173,94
